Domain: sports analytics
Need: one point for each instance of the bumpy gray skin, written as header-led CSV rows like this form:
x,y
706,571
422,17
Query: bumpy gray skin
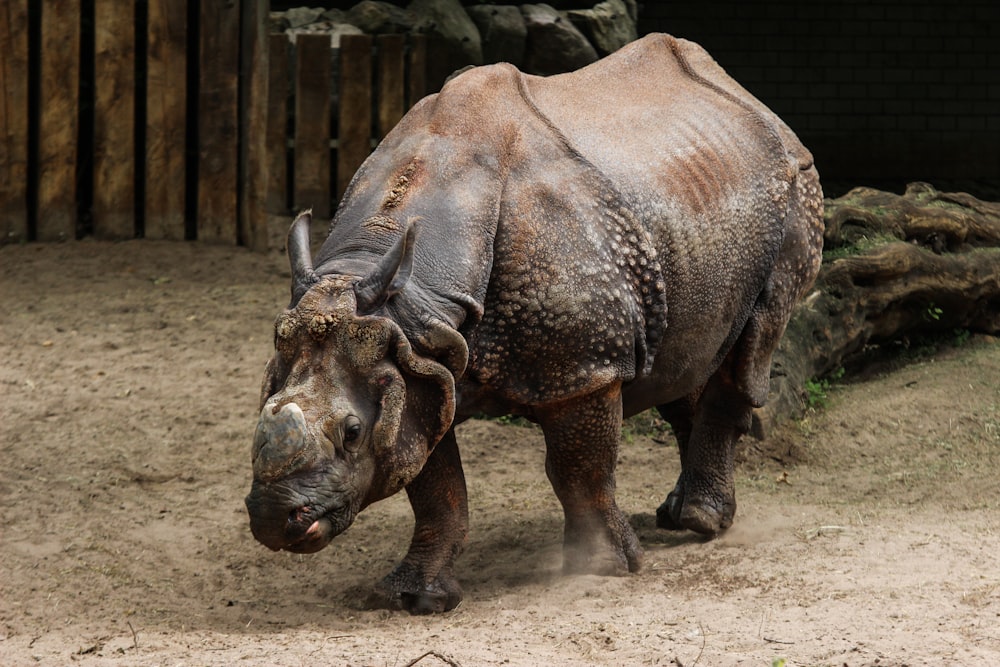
x,y
573,249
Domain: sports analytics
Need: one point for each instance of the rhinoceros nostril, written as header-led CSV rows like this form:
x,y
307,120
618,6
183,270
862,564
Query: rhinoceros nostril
x,y
299,514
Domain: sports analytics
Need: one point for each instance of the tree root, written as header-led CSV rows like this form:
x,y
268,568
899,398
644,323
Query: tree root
x,y
894,266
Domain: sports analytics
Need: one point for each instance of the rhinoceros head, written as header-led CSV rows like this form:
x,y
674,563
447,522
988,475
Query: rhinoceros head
x,y
349,412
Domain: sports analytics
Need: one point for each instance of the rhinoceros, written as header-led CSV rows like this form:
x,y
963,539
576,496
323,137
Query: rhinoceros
x,y
571,249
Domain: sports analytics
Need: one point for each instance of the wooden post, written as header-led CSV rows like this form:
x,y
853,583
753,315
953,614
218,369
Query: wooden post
x,y
312,124
218,103
391,97
114,119
58,101
355,118
277,140
253,125
14,121
166,114
416,84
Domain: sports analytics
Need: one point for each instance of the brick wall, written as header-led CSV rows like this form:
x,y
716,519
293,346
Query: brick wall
x,y
882,91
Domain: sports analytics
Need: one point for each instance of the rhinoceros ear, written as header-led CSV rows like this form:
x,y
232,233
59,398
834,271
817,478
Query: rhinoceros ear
x,y
430,401
391,274
300,256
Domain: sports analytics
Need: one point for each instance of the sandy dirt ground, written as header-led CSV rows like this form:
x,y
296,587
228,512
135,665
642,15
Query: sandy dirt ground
x,y
867,533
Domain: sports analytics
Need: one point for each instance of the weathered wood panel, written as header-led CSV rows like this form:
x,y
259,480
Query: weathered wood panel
x,y
355,117
218,107
253,125
14,121
276,200
242,175
166,119
391,77
58,122
313,80
114,119
416,85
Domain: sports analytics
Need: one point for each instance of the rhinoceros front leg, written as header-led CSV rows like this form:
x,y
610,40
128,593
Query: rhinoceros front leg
x,y
707,427
424,582
581,438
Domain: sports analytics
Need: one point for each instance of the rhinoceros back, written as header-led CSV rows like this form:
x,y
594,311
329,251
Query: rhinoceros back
x,y
707,170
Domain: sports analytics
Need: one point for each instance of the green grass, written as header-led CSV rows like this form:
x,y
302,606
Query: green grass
x,y
817,389
648,423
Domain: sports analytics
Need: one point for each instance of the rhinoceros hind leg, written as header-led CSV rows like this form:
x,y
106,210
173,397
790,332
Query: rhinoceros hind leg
x,y
679,415
581,437
424,582
696,514
668,514
707,425
709,422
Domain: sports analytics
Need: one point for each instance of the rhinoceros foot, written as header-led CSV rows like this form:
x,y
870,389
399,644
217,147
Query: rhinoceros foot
x,y
406,588
601,546
700,513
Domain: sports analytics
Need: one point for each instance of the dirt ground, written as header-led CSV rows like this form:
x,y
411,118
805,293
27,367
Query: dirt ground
x,y
867,533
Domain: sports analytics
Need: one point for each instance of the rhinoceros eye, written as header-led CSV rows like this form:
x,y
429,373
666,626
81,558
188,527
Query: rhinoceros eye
x,y
352,431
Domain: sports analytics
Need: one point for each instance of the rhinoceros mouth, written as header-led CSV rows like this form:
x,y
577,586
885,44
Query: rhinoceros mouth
x,y
306,528
319,534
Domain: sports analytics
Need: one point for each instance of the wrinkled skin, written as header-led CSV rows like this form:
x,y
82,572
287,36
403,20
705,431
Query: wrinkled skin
x,y
573,249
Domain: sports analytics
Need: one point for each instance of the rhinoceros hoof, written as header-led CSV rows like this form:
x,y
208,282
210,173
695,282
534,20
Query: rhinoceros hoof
x,y
697,514
612,550
604,563
405,589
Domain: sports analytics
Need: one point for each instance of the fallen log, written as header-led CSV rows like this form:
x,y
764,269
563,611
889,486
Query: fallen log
x,y
894,266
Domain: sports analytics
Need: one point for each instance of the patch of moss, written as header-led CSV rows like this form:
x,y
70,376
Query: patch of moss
x,y
859,246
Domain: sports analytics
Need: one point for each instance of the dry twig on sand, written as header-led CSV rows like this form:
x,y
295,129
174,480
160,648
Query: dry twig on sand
x,y
443,658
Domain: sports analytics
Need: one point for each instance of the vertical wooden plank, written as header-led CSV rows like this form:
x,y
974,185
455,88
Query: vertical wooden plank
x,y
114,119
391,92
218,102
58,102
313,80
253,125
14,121
276,202
355,117
166,117
416,61
440,63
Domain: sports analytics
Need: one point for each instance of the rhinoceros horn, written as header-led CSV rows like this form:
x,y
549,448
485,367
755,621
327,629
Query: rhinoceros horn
x,y
280,442
391,274
300,256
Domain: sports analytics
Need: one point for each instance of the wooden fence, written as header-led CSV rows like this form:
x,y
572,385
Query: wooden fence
x,y
365,91
173,119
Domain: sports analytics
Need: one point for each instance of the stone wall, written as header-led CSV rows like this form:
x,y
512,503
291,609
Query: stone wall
x,y
883,91
538,37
